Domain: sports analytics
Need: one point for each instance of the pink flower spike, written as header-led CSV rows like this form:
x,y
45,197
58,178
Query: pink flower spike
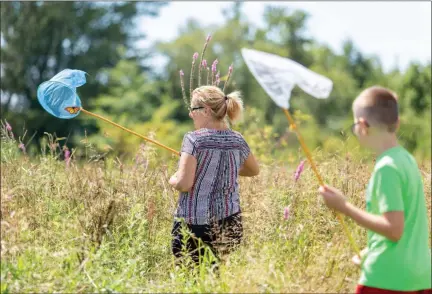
x,y
22,147
67,154
230,69
286,213
195,56
181,73
8,127
204,63
299,170
214,65
208,38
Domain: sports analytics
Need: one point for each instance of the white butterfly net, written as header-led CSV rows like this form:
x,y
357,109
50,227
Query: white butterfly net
x,y
278,76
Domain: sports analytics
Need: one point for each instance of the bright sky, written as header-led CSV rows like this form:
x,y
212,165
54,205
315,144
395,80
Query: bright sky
x,y
398,32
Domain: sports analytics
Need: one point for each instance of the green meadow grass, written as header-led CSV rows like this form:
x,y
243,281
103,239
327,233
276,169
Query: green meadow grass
x,y
104,226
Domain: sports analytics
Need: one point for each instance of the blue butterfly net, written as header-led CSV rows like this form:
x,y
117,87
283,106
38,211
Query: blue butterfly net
x,y
60,92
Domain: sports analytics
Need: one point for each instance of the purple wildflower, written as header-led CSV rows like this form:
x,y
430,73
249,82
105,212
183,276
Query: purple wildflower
x,y
8,127
230,70
213,69
202,57
299,170
67,157
217,79
183,88
286,213
22,147
204,63
214,65
194,58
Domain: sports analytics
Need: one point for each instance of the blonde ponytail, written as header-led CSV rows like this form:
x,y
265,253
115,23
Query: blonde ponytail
x,y
234,106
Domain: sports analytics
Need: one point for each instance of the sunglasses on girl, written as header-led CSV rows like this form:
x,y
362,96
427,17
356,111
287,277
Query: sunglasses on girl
x,y
192,109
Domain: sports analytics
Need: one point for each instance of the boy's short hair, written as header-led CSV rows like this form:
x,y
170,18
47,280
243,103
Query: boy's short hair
x,y
380,106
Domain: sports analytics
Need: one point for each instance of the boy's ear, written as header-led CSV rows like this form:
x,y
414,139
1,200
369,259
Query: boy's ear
x,y
364,125
363,122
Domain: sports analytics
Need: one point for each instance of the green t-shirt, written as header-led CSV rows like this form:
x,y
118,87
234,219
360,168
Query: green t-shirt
x,y
396,185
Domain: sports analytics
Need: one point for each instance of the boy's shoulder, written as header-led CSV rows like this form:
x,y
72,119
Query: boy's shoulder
x,y
398,160
385,162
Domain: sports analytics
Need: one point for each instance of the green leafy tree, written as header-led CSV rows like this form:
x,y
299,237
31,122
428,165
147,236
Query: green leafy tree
x,y
415,92
41,38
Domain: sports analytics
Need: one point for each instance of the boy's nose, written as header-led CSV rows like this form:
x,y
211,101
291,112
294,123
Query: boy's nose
x,y
190,114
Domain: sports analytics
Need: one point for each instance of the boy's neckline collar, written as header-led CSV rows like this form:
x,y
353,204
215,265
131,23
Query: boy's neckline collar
x,y
388,151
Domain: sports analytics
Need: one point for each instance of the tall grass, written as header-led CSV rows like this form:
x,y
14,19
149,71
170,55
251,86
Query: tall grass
x,y
103,225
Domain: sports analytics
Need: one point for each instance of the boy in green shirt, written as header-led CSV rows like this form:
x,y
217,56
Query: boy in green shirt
x,y
397,258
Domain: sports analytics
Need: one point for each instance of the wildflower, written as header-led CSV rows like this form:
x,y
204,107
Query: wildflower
x,y
230,70
194,58
8,127
299,170
22,147
183,89
204,63
217,79
202,56
214,65
213,69
286,213
67,156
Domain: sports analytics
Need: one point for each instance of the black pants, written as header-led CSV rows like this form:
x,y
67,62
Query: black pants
x,y
221,237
